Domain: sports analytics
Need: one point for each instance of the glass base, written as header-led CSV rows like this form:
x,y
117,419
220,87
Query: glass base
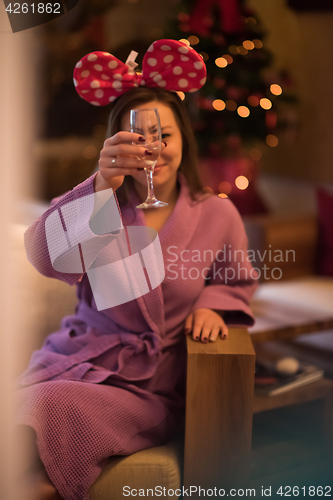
x,y
154,203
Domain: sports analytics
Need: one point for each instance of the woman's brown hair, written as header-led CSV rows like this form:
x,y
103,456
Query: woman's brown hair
x,y
142,95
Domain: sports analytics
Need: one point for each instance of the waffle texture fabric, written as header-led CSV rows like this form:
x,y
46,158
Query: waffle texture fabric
x,y
112,382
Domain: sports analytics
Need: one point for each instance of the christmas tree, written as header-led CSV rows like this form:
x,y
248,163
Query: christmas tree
x,y
239,105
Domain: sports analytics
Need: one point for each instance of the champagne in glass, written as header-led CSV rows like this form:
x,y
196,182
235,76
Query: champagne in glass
x,y
146,122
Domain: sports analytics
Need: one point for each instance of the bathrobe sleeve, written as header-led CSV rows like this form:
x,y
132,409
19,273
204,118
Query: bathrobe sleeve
x,y
67,238
231,280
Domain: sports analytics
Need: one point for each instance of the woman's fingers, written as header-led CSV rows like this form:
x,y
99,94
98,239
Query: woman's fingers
x,y
123,137
214,333
224,331
198,324
206,331
124,150
188,324
121,163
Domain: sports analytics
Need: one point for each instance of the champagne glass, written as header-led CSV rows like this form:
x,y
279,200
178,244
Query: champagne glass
x,y
146,122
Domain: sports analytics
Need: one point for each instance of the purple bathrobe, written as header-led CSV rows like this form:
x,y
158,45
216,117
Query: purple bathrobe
x,y
112,382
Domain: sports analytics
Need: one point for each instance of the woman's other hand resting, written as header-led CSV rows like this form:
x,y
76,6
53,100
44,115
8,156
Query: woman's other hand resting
x,y
205,325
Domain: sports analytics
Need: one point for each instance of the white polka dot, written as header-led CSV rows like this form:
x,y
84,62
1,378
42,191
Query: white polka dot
x,y
153,73
151,48
105,77
168,59
113,64
152,62
75,82
118,76
98,67
116,84
112,98
198,65
95,84
120,89
203,81
162,83
95,103
177,70
182,83
106,54
193,90
143,83
99,93
79,64
184,58
192,75
85,91
92,57
157,78
166,47
183,50
85,73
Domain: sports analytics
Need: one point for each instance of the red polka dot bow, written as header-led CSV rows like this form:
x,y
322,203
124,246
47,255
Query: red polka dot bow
x,y
100,77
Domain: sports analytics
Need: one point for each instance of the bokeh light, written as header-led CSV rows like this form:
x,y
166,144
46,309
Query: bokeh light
x,y
204,56
243,111
228,58
242,182
221,62
224,187
218,104
265,103
223,195
255,154
182,16
276,89
194,40
181,95
272,140
253,100
242,50
247,44
258,44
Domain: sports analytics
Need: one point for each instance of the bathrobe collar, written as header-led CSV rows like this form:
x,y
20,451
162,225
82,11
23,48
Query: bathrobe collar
x,y
177,232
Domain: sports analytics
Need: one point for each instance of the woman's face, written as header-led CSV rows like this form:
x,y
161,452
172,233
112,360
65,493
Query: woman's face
x,y
166,168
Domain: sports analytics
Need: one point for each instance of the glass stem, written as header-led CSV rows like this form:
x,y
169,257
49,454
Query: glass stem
x,y
150,174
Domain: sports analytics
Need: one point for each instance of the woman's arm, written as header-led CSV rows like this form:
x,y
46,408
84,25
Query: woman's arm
x,y
64,241
230,284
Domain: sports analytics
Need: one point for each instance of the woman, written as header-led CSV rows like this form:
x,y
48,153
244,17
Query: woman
x,y
133,391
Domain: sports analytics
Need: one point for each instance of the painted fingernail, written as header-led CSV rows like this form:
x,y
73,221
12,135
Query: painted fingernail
x,y
165,144
142,139
148,153
224,336
196,338
140,168
187,330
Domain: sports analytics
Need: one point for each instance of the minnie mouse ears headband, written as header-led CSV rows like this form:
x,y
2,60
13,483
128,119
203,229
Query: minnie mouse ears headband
x,y
100,77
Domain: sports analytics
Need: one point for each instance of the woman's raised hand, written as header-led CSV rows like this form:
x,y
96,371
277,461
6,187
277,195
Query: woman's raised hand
x,y
205,324
121,155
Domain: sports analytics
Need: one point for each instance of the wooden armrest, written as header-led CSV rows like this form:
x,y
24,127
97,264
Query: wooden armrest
x,y
219,404
278,235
